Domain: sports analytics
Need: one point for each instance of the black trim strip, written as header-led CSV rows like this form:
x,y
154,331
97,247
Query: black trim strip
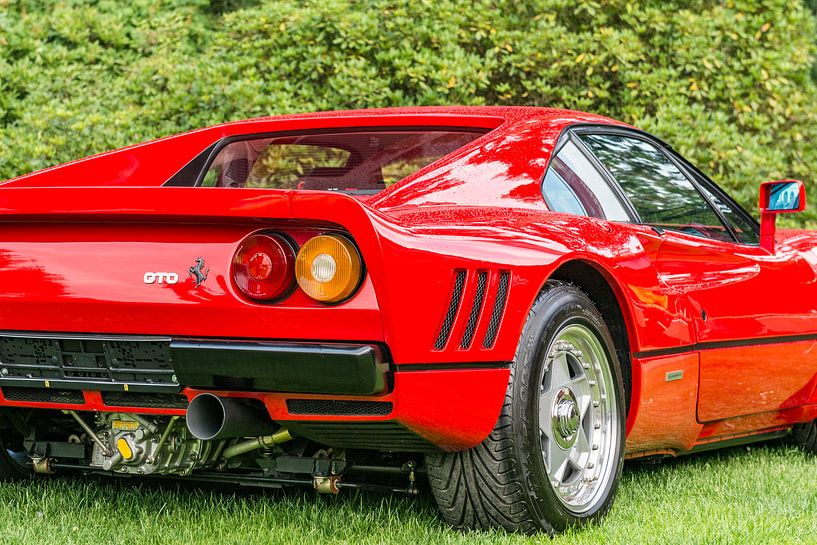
x,y
714,345
408,368
664,352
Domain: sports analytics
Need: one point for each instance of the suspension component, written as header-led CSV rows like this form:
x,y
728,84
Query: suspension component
x,y
326,485
267,441
94,437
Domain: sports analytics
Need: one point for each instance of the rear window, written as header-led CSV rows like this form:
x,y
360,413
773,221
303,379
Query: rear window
x,y
361,162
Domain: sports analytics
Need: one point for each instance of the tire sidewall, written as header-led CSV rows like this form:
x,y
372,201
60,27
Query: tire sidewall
x,y
10,469
560,307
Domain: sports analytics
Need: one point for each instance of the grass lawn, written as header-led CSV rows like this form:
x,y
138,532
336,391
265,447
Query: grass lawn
x,y
762,494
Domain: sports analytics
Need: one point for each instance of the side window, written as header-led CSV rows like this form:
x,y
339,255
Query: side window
x,y
661,194
573,185
745,231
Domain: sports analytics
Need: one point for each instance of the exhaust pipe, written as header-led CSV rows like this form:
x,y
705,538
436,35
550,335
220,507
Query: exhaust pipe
x,y
211,417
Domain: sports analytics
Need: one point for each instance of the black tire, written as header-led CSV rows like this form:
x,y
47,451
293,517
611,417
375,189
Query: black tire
x,y
12,457
504,482
805,435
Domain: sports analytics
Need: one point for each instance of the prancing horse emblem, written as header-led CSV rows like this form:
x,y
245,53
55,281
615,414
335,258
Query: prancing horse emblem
x,y
198,271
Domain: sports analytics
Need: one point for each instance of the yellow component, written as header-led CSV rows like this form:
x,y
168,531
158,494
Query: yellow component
x,y
126,387
129,425
124,449
328,268
281,436
47,384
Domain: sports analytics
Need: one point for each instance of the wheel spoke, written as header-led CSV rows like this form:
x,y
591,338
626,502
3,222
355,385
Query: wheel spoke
x,y
545,412
584,395
580,448
557,462
559,372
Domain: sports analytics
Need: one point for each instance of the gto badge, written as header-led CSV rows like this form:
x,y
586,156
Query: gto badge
x,y
199,271
161,278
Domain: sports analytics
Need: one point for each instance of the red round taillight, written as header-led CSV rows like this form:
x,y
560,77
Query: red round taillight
x,y
264,267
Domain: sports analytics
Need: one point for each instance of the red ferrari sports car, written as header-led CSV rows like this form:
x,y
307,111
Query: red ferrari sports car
x,y
506,301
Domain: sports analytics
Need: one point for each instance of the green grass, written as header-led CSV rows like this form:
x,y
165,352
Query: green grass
x,y
765,494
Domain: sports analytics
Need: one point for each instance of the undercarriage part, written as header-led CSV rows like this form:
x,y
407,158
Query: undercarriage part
x,y
135,444
210,417
267,441
264,481
158,446
326,485
42,465
89,431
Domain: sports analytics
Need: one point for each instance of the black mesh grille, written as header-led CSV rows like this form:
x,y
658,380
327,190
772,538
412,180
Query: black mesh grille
x,y
381,436
453,306
496,313
335,407
476,307
43,395
135,399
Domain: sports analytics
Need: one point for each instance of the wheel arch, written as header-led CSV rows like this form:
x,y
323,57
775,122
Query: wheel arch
x,y
608,297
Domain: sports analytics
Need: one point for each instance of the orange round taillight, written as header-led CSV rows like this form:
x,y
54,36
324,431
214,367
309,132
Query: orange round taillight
x,y
328,268
264,267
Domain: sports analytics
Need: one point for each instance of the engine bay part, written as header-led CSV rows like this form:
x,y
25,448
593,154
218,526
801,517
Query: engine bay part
x,y
131,443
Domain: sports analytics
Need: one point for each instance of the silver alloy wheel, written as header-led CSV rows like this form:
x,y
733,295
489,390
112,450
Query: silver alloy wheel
x,y
577,412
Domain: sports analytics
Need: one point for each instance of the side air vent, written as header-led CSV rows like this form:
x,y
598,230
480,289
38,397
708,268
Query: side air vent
x,y
476,308
496,312
43,395
339,407
451,313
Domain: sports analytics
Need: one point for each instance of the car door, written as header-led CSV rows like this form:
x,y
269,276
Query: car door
x,y
752,310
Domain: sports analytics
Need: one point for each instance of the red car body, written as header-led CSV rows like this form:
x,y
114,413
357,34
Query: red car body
x,y
718,338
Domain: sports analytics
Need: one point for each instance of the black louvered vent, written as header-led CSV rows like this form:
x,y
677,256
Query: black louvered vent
x,y
338,407
382,436
476,307
43,395
453,307
496,313
136,399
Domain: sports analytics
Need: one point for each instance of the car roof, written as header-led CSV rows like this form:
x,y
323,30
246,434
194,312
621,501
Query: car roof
x,y
503,113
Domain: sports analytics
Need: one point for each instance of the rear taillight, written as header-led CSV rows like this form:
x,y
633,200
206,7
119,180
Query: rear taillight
x,y
329,268
264,267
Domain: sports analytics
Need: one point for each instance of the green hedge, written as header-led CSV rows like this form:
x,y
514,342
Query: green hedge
x,y
726,82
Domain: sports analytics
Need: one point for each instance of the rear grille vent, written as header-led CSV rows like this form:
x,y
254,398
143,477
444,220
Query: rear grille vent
x,y
476,308
496,313
453,307
335,407
43,395
381,436
153,401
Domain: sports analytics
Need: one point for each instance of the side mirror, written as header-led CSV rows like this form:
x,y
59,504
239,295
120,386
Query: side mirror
x,y
778,197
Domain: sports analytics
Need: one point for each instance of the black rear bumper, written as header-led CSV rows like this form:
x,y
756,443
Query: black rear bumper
x,y
164,365
347,369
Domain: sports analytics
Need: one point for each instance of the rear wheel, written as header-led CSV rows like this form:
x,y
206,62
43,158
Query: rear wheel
x,y
13,458
806,436
555,457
